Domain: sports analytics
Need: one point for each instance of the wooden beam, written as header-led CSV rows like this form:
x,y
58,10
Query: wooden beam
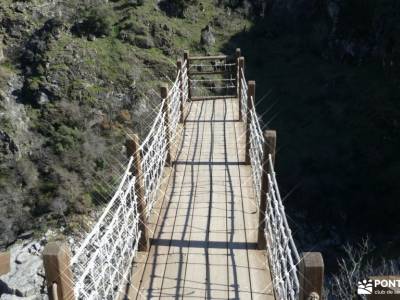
x,y
269,147
57,267
133,149
164,95
251,93
5,263
311,275
212,97
211,57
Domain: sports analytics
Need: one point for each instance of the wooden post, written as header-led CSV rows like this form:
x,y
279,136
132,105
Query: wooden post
x,y
251,93
164,94
179,69
186,57
311,275
269,147
57,267
133,149
240,68
4,263
237,54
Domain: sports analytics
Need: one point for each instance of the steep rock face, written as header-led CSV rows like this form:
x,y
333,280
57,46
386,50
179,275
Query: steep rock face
x,y
353,31
75,78
15,143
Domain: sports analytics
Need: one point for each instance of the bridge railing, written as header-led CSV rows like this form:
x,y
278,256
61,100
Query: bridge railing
x,y
293,277
99,267
211,77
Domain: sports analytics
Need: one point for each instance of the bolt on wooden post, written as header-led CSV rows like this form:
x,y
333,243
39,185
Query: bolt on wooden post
x,y
133,149
179,71
241,71
269,147
186,57
311,275
164,96
251,93
57,267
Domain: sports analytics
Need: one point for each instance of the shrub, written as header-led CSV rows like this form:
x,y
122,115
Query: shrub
x,y
176,7
97,22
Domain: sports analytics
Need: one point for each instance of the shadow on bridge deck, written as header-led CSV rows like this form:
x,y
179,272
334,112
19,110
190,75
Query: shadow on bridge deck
x,y
204,227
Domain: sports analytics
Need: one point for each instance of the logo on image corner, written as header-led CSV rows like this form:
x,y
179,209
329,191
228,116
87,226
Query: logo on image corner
x,y
364,287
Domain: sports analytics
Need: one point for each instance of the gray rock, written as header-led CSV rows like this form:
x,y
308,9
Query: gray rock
x,y
143,41
91,37
1,53
14,297
207,37
26,235
43,99
25,278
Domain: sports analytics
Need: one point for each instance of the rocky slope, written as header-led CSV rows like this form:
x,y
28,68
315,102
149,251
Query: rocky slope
x,y
75,77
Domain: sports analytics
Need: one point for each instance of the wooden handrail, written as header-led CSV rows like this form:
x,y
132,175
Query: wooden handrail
x,y
211,57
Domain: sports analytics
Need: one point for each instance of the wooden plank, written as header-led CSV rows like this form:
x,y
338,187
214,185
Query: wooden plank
x,y
217,257
260,280
174,275
155,265
196,284
238,270
207,226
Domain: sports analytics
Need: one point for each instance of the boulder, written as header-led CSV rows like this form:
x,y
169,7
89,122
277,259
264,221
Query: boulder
x,y
43,99
14,297
25,278
207,37
143,41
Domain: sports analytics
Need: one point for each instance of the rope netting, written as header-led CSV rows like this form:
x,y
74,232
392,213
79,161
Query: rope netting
x,y
282,251
101,263
243,95
256,151
185,83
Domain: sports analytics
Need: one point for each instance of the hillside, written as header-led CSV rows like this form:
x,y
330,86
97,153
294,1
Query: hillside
x,y
75,78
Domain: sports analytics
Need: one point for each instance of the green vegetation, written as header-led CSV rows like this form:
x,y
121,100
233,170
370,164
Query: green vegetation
x,y
89,77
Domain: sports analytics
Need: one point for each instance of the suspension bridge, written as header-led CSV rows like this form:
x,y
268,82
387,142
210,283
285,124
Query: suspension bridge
x,y
198,212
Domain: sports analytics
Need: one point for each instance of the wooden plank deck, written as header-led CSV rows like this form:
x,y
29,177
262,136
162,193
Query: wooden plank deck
x,y
204,226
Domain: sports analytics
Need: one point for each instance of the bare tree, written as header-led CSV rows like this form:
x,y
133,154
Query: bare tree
x,y
355,266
